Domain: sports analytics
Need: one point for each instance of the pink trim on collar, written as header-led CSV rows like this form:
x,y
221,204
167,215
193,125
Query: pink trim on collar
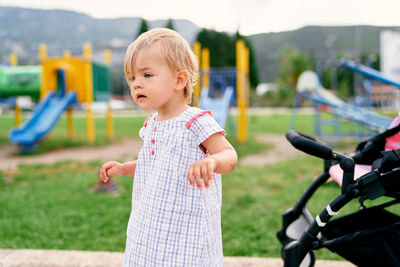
x,y
189,123
148,118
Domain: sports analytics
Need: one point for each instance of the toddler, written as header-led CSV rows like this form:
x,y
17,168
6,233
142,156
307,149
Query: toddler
x,y
176,200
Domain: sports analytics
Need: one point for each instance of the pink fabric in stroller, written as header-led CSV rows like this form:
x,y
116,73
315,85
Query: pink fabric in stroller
x,y
392,143
336,172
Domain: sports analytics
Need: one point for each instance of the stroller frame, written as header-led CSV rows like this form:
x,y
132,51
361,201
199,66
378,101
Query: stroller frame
x,y
371,185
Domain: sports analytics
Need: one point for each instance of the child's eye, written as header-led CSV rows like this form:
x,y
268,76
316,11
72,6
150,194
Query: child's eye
x,y
148,75
132,78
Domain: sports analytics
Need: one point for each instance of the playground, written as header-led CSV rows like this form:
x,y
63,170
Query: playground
x,y
55,209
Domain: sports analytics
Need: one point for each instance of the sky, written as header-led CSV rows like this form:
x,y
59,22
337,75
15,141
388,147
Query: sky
x,y
249,16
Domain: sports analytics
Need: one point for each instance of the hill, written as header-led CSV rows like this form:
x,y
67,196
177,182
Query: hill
x,y
23,30
315,41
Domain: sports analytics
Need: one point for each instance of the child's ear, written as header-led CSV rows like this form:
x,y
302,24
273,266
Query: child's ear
x,y
181,79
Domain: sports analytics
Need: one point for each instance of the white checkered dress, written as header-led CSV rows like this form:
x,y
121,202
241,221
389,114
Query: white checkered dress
x,y
173,223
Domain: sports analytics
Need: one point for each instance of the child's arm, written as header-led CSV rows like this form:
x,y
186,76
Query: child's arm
x,y
222,159
114,168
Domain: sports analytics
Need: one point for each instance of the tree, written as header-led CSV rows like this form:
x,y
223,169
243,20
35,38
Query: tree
x,y
223,51
221,46
170,24
143,27
291,64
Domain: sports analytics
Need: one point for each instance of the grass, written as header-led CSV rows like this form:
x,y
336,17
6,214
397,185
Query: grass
x,y
54,206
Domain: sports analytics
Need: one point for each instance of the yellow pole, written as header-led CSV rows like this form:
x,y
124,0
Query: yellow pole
x,y
241,95
87,51
196,89
246,93
87,56
17,111
42,58
67,54
107,56
90,135
205,67
13,59
42,52
110,123
70,124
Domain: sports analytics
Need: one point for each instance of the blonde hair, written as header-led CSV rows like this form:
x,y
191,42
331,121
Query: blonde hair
x,y
175,49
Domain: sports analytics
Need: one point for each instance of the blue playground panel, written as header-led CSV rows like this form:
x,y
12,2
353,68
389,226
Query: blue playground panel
x,y
219,107
220,96
8,102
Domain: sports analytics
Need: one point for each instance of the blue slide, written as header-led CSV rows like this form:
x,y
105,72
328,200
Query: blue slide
x,y
339,108
219,107
369,72
42,120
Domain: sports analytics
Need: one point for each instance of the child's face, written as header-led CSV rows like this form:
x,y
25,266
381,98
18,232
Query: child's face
x,y
153,83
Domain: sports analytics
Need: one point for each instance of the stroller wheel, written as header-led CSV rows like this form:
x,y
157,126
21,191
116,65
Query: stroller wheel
x,y
309,260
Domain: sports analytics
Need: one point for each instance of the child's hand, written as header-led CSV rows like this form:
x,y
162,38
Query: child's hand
x,y
203,168
112,168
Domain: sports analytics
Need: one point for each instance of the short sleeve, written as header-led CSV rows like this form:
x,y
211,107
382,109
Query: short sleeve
x,y
204,125
142,132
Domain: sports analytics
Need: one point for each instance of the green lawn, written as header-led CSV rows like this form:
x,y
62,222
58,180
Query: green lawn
x,y
54,206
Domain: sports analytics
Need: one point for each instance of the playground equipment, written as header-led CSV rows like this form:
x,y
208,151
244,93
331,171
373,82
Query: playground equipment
x,y
308,86
369,74
219,87
64,82
20,81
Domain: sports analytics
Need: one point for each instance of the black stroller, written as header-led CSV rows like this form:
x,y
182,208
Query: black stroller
x,y
368,237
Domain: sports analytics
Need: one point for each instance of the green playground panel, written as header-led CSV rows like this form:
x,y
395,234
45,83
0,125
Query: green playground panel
x,y
20,80
101,82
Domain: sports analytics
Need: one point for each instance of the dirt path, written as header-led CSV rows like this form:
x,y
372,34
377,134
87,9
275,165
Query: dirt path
x,y
128,149
282,150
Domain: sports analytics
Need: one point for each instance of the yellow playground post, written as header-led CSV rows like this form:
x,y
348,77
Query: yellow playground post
x,y
42,52
107,56
17,110
67,54
242,84
205,68
196,89
87,56
70,124
110,122
13,59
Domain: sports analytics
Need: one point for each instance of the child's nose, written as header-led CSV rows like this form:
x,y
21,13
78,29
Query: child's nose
x,y
137,84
